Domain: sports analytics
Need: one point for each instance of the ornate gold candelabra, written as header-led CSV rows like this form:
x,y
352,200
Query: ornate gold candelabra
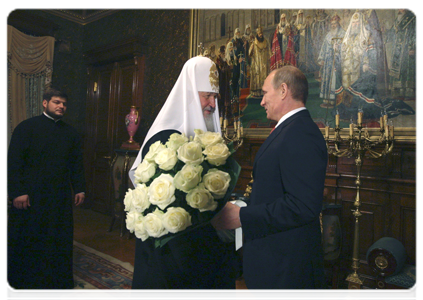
x,y
358,143
232,115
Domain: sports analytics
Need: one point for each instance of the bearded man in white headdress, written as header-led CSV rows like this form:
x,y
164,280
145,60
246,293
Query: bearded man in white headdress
x,y
198,259
356,83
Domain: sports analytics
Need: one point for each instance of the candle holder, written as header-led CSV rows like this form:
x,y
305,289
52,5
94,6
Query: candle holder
x,y
236,134
357,145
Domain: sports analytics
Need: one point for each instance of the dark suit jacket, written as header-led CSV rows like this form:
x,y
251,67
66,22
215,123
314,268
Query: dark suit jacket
x,y
282,248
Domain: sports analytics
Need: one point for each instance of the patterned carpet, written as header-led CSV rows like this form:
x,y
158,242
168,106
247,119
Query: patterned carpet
x,y
96,270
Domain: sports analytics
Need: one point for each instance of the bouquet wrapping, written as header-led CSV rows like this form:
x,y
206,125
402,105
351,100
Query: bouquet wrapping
x,y
180,185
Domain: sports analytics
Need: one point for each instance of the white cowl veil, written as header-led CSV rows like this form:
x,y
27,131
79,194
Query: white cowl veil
x,y
182,110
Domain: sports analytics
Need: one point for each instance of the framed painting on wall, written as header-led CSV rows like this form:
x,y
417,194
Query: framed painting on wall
x,y
354,59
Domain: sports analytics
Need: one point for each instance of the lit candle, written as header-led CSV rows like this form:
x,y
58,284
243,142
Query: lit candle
x,y
381,122
221,121
327,131
225,123
359,118
351,129
242,130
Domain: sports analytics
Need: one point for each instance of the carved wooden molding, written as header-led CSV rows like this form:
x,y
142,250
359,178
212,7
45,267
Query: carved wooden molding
x,y
117,51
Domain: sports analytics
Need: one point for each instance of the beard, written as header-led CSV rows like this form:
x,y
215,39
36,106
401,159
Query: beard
x,y
208,119
333,31
260,39
53,114
354,31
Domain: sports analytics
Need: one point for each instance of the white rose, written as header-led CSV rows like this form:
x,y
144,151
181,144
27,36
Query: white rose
x,y
154,149
128,201
191,153
166,159
140,198
201,199
153,224
176,140
217,182
188,177
217,154
145,171
176,219
139,230
207,138
131,219
162,191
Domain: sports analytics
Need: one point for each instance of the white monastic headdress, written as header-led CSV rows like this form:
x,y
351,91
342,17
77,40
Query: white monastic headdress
x,y
363,33
182,110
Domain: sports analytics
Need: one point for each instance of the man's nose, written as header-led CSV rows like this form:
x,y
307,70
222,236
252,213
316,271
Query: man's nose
x,y
212,102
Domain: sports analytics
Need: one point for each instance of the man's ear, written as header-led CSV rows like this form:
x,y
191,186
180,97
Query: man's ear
x,y
45,104
284,90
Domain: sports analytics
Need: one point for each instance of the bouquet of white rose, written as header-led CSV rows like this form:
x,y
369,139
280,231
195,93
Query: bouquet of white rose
x,y
180,185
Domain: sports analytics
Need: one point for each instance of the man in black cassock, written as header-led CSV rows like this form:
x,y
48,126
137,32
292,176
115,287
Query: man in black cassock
x,y
44,162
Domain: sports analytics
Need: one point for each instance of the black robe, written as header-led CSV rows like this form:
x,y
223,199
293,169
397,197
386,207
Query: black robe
x,y
195,260
44,161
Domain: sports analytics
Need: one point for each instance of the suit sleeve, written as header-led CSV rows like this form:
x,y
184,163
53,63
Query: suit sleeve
x,y
297,193
16,161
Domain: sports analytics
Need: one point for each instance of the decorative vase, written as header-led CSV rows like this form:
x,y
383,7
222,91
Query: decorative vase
x,y
132,123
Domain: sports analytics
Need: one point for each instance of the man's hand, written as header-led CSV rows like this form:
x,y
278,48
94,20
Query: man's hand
x,y
227,218
79,198
21,202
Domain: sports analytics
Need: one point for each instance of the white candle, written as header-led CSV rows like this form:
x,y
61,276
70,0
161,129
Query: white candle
x,y
359,118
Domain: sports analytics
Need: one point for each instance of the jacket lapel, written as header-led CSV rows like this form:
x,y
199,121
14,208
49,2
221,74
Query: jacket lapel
x,y
274,134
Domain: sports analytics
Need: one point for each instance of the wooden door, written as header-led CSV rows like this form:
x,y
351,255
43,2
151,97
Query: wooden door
x,y
114,85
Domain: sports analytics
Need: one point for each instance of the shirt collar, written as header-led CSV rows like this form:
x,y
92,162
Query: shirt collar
x,y
287,115
55,120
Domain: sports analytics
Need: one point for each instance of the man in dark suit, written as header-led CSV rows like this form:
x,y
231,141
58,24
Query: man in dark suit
x,y
282,248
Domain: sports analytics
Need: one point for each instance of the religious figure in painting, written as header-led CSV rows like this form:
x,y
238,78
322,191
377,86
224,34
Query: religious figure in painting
x,y
357,79
331,46
279,44
320,29
300,25
225,73
402,74
239,70
290,53
212,54
372,24
260,56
